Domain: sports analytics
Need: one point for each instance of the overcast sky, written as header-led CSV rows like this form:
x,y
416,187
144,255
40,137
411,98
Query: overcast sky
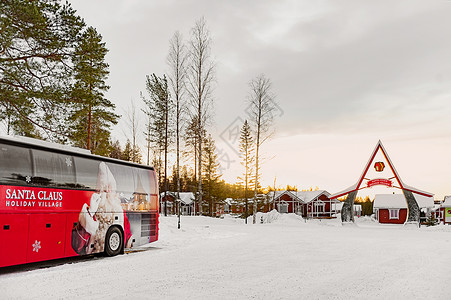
x,y
345,74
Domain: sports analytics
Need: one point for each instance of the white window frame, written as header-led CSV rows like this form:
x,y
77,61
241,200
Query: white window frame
x,y
320,207
393,214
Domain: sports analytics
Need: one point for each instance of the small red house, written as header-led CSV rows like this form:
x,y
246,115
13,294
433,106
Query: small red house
x,y
285,202
308,204
392,208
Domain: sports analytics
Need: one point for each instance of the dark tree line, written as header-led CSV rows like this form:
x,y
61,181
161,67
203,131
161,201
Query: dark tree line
x,y
367,205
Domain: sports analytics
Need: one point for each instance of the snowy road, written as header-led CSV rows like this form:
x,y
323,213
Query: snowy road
x,y
225,259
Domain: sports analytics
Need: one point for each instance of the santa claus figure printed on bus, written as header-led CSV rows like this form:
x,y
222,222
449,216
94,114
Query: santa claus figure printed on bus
x,y
104,209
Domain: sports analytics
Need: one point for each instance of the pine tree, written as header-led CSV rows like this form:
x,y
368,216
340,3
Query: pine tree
x,y
115,150
367,206
37,42
191,141
210,172
127,154
246,149
159,109
92,117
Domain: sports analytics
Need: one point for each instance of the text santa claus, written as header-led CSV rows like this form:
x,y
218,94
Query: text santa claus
x,y
30,198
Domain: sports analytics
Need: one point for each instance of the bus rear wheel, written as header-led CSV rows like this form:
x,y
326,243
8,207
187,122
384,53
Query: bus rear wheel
x,y
113,241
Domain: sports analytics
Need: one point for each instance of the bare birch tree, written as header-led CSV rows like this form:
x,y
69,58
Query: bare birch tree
x,y
132,121
260,110
200,79
177,59
148,126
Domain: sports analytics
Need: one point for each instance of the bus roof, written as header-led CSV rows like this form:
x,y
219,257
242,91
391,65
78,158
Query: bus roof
x,y
45,145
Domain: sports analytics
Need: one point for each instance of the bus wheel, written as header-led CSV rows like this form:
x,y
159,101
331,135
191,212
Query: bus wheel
x,y
113,242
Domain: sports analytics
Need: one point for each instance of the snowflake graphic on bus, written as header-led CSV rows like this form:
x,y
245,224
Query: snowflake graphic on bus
x,y
36,246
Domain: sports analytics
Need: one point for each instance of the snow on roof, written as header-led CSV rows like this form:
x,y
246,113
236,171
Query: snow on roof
x,y
186,197
308,196
424,201
447,202
304,196
399,201
277,194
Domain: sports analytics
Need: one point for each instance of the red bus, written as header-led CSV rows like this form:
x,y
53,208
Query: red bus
x,y
58,201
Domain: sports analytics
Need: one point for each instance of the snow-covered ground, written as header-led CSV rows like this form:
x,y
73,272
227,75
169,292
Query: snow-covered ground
x,y
226,259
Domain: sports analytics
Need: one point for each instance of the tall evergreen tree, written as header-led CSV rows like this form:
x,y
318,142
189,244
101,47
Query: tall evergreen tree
x,y
210,173
191,138
92,117
127,153
131,154
115,150
159,108
37,42
246,149
157,163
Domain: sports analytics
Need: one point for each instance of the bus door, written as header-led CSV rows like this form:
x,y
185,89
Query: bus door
x,y
46,237
13,237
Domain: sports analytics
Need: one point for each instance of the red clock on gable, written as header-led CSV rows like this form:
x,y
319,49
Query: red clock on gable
x,y
379,166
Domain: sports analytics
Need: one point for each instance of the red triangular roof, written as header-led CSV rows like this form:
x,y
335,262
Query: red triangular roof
x,y
402,185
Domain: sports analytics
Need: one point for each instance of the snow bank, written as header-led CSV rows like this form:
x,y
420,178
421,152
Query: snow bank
x,y
275,217
285,258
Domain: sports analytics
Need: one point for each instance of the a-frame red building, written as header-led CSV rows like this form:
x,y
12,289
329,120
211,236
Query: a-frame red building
x,y
383,178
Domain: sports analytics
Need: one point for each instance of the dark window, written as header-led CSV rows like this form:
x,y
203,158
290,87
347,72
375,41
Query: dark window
x,y
123,182
87,171
53,169
124,178
134,186
15,165
143,181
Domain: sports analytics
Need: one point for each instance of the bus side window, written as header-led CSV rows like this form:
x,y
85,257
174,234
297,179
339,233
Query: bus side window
x,y
86,172
15,165
125,183
153,184
142,188
53,169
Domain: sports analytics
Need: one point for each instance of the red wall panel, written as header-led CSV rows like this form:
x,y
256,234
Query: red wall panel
x,y
384,216
13,237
